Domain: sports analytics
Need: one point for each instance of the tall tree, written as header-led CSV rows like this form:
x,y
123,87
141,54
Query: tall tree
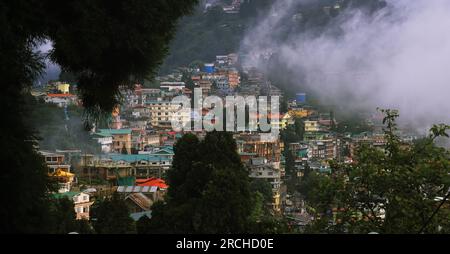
x,y
299,128
209,189
64,216
396,190
187,79
124,150
113,217
105,44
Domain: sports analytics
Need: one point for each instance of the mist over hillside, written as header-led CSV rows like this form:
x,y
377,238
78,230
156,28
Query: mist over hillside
x,y
392,56
355,55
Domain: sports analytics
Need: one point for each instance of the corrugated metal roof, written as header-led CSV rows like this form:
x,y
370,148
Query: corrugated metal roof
x,y
115,131
141,200
136,189
138,157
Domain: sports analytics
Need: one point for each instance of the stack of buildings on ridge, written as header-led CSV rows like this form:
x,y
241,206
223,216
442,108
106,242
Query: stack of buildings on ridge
x,y
136,146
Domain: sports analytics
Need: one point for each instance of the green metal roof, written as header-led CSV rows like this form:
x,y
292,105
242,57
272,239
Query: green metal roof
x,y
115,132
68,195
247,154
102,134
137,157
164,151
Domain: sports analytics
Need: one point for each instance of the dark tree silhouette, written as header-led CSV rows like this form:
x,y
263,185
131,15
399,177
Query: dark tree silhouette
x,y
105,44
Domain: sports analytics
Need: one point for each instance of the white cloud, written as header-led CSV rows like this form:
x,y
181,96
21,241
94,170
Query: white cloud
x,y
397,58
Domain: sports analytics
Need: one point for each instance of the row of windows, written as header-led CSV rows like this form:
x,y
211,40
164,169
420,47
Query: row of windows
x,y
51,158
84,209
85,198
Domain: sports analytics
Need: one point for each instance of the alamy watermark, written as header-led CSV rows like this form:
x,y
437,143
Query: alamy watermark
x,y
213,114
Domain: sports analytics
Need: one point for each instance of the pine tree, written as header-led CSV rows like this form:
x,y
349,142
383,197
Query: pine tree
x,y
113,217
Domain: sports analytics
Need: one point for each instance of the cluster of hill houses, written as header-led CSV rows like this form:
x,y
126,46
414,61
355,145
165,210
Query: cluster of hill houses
x,y
136,149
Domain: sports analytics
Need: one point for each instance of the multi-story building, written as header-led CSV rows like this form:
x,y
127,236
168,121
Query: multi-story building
x,y
252,143
153,164
234,79
105,140
367,138
59,170
62,100
301,112
163,112
55,162
171,86
148,94
121,139
81,202
205,85
260,168
312,126
324,149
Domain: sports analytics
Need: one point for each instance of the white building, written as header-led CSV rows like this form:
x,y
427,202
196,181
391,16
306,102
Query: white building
x,y
81,202
82,205
105,140
171,86
259,168
61,100
163,112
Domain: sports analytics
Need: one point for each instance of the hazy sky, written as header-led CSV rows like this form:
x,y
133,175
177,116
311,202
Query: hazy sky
x,y
52,70
398,58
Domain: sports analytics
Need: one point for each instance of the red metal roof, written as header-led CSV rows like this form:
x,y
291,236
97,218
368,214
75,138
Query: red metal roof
x,y
60,95
152,182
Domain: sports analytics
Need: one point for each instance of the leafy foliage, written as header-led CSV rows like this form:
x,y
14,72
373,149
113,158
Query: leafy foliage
x,y
209,190
394,190
105,44
113,217
64,218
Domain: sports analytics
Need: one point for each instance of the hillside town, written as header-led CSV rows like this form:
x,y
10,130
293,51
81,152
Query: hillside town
x,y
136,146
265,117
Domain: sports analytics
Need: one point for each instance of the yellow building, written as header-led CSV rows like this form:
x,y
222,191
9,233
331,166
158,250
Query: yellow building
x,y
63,87
64,180
286,120
276,205
300,112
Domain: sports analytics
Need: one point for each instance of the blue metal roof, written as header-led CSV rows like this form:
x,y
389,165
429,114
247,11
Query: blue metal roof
x,y
137,216
115,132
164,151
137,157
